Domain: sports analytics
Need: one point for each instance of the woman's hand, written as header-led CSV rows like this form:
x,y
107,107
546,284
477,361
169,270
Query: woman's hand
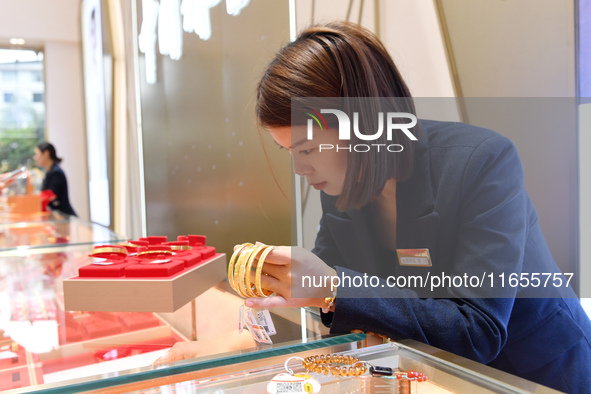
x,y
285,268
229,342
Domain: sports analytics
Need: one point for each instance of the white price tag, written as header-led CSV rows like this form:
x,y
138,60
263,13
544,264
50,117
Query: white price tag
x,y
259,324
265,320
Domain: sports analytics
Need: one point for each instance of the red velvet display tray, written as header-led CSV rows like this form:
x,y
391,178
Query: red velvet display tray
x,y
147,275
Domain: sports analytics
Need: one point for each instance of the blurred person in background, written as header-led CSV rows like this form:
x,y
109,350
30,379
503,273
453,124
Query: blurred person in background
x,y
55,179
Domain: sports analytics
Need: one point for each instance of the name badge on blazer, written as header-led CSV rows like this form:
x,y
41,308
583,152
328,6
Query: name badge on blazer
x,y
414,257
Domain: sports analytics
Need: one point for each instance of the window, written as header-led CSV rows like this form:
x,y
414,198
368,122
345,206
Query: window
x,y
8,76
37,76
22,107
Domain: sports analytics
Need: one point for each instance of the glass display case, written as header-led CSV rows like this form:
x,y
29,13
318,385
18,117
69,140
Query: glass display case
x,y
41,343
45,348
251,372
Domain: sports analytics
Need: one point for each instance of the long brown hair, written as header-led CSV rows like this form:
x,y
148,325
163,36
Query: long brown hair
x,y
340,59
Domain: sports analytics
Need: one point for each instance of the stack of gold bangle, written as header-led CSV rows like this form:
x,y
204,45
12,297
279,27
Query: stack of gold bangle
x,y
245,259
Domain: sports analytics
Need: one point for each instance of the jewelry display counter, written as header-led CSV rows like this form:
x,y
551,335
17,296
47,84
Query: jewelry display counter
x,y
42,344
45,348
253,371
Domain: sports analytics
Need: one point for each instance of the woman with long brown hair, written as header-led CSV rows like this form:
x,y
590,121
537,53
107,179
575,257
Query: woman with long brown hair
x,y
450,204
412,201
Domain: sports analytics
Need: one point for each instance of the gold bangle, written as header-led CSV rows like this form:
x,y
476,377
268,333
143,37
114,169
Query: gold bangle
x,y
259,291
180,247
247,283
147,253
236,269
109,249
240,269
231,264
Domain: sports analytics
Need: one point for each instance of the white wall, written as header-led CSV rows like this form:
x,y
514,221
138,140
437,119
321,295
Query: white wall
x,y
39,21
65,117
54,26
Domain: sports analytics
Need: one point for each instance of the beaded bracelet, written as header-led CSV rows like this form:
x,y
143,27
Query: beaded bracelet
x,y
322,364
351,366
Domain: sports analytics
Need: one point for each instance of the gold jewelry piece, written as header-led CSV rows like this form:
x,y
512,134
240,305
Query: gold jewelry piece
x,y
247,284
259,291
109,249
147,253
240,268
329,301
328,364
180,247
240,271
352,366
231,264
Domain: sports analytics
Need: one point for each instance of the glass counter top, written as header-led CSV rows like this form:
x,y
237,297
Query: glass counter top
x,y
446,373
53,231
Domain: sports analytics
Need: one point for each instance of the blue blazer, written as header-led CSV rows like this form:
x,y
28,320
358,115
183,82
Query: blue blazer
x,y
466,203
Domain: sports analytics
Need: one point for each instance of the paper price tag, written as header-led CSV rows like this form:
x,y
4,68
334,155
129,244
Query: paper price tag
x,y
241,319
259,334
248,319
265,320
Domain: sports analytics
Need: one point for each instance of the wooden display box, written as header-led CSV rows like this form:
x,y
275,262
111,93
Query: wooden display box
x,y
144,294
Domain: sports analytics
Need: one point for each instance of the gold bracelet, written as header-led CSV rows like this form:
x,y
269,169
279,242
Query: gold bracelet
x,y
240,270
149,253
247,283
231,264
259,291
326,365
330,301
109,249
180,247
